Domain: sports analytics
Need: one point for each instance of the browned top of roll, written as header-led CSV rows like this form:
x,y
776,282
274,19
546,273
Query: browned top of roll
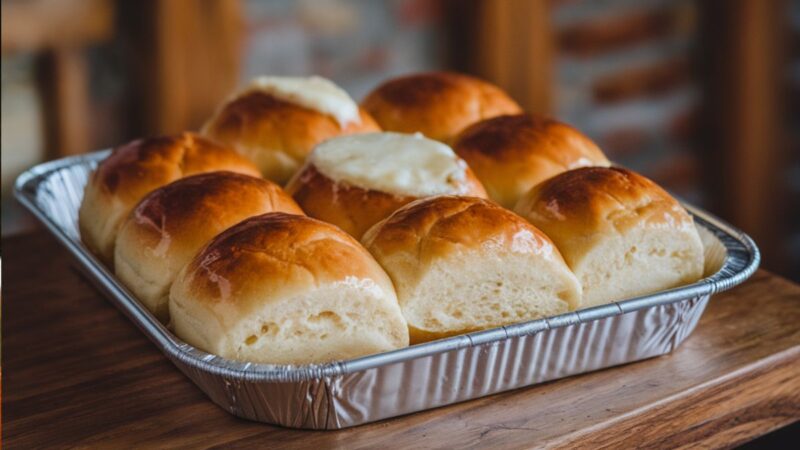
x,y
257,121
198,207
136,168
512,153
258,113
353,208
139,167
289,253
437,104
171,224
516,138
596,200
436,226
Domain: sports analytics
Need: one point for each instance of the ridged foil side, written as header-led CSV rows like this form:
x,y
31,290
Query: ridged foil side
x,y
458,375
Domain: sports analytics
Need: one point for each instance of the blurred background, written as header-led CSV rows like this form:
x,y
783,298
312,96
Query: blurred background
x,y
703,96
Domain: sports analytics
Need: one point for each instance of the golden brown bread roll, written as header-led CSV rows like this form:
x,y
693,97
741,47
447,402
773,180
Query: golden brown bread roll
x,y
436,104
620,233
355,181
286,289
511,154
462,264
171,224
135,169
277,121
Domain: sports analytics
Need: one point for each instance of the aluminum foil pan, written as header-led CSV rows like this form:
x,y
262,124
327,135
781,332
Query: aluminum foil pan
x,y
347,393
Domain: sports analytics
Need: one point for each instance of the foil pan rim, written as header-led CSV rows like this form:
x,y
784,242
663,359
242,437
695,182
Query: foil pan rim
x,y
742,259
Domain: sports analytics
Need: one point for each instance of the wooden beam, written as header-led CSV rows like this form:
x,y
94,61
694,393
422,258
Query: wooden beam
x,y
63,83
507,42
37,25
184,60
534,84
743,131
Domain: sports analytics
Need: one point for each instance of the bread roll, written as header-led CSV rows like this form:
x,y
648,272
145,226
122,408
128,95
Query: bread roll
x,y
135,169
511,154
620,233
438,104
462,264
286,289
172,223
355,181
276,121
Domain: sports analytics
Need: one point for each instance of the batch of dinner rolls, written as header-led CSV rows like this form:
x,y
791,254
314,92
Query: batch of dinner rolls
x,y
301,227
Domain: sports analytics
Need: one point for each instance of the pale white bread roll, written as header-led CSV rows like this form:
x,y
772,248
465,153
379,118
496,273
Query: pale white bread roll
x,y
620,233
513,153
286,289
277,121
462,264
436,104
171,224
137,168
355,181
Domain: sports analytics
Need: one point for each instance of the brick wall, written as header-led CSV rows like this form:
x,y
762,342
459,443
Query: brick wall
x,y
624,76
357,43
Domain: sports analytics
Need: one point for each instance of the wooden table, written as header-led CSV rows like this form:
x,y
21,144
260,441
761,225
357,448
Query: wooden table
x,y
75,371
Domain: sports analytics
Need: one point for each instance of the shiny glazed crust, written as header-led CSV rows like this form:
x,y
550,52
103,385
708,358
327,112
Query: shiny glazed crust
x,y
587,203
620,233
139,167
352,208
284,288
171,224
436,104
511,154
275,133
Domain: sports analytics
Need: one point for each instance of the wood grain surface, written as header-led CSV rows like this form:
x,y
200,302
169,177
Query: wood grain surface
x,y
77,373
